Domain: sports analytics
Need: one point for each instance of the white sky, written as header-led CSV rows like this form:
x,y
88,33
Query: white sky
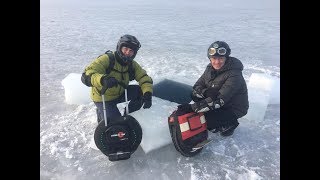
x,y
174,37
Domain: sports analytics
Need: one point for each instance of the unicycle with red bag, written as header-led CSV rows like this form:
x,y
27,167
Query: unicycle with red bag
x,y
188,132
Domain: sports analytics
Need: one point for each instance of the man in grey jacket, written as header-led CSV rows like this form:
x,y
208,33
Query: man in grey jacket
x,y
221,92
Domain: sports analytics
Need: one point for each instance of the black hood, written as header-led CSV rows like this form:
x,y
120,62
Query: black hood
x,y
232,64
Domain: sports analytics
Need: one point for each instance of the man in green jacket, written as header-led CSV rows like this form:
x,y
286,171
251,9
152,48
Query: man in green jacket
x,y
115,76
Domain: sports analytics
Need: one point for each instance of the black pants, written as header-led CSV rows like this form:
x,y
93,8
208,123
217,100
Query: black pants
x,y
220,118
112,111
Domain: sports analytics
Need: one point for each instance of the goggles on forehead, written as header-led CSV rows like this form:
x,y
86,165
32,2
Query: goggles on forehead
x,y
221,51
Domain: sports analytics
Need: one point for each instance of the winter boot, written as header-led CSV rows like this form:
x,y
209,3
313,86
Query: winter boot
x,y
215,130
228,130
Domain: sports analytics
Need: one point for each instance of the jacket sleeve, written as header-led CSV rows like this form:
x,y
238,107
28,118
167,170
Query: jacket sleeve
x,y
97,69
230,86
145,81
200,85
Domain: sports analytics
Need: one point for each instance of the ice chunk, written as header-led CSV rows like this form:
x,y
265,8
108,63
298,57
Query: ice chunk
x,y
154,124
259,90
75,91
275,94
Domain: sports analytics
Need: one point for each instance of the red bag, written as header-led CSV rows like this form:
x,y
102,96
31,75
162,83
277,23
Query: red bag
x,y
187,131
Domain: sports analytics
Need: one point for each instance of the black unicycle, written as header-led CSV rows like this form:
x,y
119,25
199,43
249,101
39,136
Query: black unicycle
x,y
119,138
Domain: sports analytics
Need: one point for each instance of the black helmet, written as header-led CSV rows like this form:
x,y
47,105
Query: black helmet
x,y
130,42
219,48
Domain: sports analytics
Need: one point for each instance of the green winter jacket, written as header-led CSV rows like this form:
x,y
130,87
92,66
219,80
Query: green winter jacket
x,y
98,68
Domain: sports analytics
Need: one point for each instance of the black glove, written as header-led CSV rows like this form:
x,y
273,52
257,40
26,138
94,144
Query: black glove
x,y
147,100
203,105
109,82
184,108
218,103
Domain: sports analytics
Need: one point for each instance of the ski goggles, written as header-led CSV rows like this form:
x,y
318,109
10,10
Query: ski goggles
x,y
221,51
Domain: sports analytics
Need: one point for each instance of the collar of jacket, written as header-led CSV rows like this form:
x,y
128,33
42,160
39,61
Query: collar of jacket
x,y
119,60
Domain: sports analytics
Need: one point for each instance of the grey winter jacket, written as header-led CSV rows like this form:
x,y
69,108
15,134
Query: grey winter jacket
x,y
229,82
